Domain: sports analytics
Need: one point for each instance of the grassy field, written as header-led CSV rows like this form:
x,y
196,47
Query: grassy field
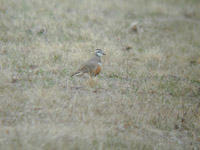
x,y
147,96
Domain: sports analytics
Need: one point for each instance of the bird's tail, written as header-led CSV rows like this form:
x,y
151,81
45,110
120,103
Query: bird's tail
x,y
75,73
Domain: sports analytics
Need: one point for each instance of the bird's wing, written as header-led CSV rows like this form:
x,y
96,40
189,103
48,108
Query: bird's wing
x,y
88,66
85,67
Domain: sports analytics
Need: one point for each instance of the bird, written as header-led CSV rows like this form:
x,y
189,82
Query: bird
x,y
91,67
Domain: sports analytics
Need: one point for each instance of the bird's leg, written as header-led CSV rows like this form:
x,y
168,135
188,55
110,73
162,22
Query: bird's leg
x,y
91,82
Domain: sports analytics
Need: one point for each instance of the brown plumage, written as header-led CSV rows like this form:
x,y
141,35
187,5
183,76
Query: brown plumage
x,y
92,66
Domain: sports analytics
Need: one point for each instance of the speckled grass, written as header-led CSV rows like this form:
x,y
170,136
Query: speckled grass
x,y
146,97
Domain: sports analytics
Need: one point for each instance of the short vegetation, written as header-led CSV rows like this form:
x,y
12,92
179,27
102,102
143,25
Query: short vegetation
x,y
146,97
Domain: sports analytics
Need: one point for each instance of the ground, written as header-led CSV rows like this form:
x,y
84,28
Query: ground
x,y
146,97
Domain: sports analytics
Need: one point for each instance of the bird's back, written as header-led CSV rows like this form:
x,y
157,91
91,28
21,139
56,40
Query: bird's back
x,y
95,59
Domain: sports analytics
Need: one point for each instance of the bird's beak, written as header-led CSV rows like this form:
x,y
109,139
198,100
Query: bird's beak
x,y
103,53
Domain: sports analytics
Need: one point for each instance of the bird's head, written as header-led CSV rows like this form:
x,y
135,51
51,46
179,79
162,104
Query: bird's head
x,y
99,52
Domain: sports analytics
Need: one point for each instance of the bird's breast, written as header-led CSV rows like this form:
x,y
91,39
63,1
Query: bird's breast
x,y
98,69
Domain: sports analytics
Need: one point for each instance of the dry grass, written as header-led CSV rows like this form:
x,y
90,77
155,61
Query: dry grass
x,y
147,96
